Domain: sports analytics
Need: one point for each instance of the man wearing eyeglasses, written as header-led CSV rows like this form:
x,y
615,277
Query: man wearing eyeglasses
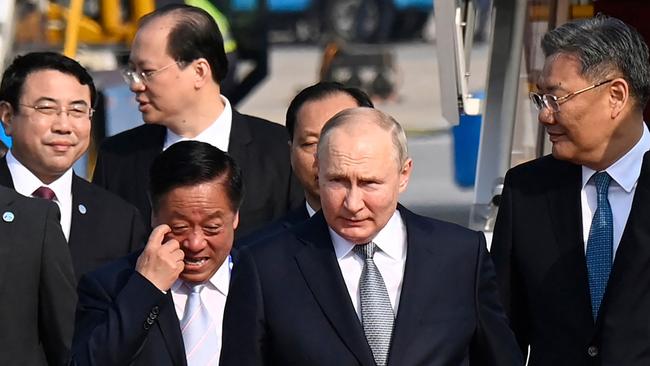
x,y
176,65
571,243
46,104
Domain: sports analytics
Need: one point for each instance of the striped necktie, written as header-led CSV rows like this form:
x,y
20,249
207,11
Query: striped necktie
x,y
377,316
199,331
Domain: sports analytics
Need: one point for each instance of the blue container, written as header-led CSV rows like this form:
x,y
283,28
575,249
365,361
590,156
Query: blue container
x,y
467,135
4,138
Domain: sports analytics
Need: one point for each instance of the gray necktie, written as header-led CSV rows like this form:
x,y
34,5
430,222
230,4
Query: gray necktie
x,y
377,315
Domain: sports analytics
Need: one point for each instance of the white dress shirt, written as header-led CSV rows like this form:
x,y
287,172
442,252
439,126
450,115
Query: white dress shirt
x,y
390,260
213,297
25,183
625,175
217,134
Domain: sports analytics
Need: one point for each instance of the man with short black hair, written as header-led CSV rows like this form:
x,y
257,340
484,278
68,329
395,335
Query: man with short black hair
x,y
176,65
571,238
46,106
164,305
306,115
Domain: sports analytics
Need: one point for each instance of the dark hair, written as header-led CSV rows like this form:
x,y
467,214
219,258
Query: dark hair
x,y
190,163
13,79
604,45
321,91
194,35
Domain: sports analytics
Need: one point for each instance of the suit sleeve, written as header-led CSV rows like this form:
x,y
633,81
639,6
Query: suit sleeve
x,y
244,326
511,290
56,292
111,330
494,343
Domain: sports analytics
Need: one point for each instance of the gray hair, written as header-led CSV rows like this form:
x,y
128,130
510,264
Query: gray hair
x,y
604,45
382,120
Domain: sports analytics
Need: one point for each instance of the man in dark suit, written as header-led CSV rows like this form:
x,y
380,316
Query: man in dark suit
x,y
176,64
46,104
365,281
37,295
570,244
164,306
306,115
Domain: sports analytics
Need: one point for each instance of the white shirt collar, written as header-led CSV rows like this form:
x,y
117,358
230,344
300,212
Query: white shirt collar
x,y
626,170
219,281
25,182
310,210
217,134
385,239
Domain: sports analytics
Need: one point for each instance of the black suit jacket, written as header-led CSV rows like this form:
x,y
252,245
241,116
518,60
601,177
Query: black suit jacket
x,y
123,319
108,229
258,146
37,293
294,217
289,305
539,254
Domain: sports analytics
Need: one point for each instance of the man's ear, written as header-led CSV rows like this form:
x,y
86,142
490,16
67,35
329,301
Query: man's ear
x,y
619,96
6,116
202,72
405,174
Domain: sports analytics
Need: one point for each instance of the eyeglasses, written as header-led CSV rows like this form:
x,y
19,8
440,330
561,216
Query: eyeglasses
x,y
553,103
131,76
74,111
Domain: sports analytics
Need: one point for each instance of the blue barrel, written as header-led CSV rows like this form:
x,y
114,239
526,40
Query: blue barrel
x,y
467,135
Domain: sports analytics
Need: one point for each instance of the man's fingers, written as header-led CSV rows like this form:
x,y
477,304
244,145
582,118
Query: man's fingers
x,y
158,235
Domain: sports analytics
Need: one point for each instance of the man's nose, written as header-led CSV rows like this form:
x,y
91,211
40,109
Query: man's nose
x,y
546,116
195,241
353,199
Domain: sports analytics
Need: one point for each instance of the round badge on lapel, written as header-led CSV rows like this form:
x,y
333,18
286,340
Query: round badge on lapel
x,y
82,209
8,216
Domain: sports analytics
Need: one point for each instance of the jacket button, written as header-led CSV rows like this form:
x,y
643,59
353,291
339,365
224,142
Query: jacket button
x,y
155,310
146,326
149,321
592,351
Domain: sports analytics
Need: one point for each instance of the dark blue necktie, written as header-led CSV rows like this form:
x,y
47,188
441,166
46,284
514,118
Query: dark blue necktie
x,y
600,244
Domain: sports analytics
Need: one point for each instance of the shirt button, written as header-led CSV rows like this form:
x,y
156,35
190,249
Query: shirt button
x,y
592,351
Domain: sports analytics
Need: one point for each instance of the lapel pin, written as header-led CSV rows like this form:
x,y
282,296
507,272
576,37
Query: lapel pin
x,y
82,209
8,216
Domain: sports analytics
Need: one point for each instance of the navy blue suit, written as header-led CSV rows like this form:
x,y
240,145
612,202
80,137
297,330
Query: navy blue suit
x,y
289,305
123,319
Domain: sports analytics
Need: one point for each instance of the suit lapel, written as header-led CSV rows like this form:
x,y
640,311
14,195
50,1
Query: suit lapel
x,y
5,174
7,234
170,329
320,269
240,137
82,213
420,261
633,248
565,210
